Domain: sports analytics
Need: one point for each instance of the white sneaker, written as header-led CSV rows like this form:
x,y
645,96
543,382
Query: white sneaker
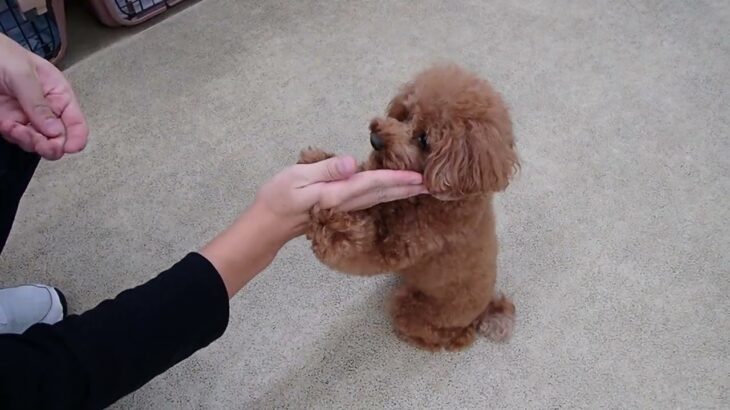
x,y
23,306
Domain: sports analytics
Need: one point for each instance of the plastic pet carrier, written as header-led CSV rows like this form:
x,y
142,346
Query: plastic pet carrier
x,y
116,13
37,25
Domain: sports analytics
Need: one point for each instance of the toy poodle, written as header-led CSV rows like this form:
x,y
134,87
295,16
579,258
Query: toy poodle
x,y
454,128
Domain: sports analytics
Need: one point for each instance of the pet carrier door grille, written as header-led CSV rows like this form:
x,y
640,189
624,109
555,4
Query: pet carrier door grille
x,y
37,33
115,13
136,8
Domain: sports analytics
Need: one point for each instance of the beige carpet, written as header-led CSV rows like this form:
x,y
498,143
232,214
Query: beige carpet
x,y
615,237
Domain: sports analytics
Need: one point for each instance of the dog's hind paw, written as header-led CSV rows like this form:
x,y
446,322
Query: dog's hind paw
x,y
498,321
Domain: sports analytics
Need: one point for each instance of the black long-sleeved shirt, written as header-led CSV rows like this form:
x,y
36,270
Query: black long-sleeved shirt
x,y
93,359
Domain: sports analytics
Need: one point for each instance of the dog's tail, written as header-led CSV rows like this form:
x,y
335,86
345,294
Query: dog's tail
x,y
498,320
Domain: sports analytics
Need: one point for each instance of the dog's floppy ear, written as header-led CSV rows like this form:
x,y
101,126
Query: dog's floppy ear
x,y
398,107
499,160
470,159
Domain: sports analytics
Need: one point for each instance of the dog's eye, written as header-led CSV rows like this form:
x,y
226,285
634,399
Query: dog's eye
x,y
423,141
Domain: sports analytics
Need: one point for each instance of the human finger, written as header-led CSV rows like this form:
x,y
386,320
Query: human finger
x,y
26,87
18,134
63,101
381,195
48,148
331,169
77,131
336,193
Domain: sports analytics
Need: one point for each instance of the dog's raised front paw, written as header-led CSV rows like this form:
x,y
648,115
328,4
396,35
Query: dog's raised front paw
x,y
343,240
311,155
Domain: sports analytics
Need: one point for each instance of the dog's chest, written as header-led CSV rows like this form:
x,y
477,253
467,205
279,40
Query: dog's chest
x,y
406,219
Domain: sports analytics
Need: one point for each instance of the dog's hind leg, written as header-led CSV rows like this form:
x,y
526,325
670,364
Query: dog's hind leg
x,y
430,323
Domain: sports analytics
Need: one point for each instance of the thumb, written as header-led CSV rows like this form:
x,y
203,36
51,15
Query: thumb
x,y
331,169
29,93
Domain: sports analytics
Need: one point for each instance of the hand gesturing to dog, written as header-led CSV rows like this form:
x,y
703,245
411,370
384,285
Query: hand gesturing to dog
x,y
38,109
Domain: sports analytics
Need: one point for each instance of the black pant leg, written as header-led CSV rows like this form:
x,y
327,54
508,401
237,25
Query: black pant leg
x,y
16,170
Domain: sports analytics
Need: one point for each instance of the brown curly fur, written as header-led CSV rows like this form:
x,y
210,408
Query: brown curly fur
x,y
443,245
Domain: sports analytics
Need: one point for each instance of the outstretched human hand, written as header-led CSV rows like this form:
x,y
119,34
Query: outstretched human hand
x,y
282,207
333,184
38,108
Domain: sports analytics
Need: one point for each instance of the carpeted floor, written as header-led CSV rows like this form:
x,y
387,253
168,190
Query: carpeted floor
x,y
615,237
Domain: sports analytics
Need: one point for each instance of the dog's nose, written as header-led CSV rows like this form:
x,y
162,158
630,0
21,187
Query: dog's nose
x,y
376,142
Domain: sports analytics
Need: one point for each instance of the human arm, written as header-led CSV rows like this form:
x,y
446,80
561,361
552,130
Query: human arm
x,y
282,210
93,359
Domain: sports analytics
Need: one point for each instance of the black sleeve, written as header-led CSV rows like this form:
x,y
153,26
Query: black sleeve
x,y
93,359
